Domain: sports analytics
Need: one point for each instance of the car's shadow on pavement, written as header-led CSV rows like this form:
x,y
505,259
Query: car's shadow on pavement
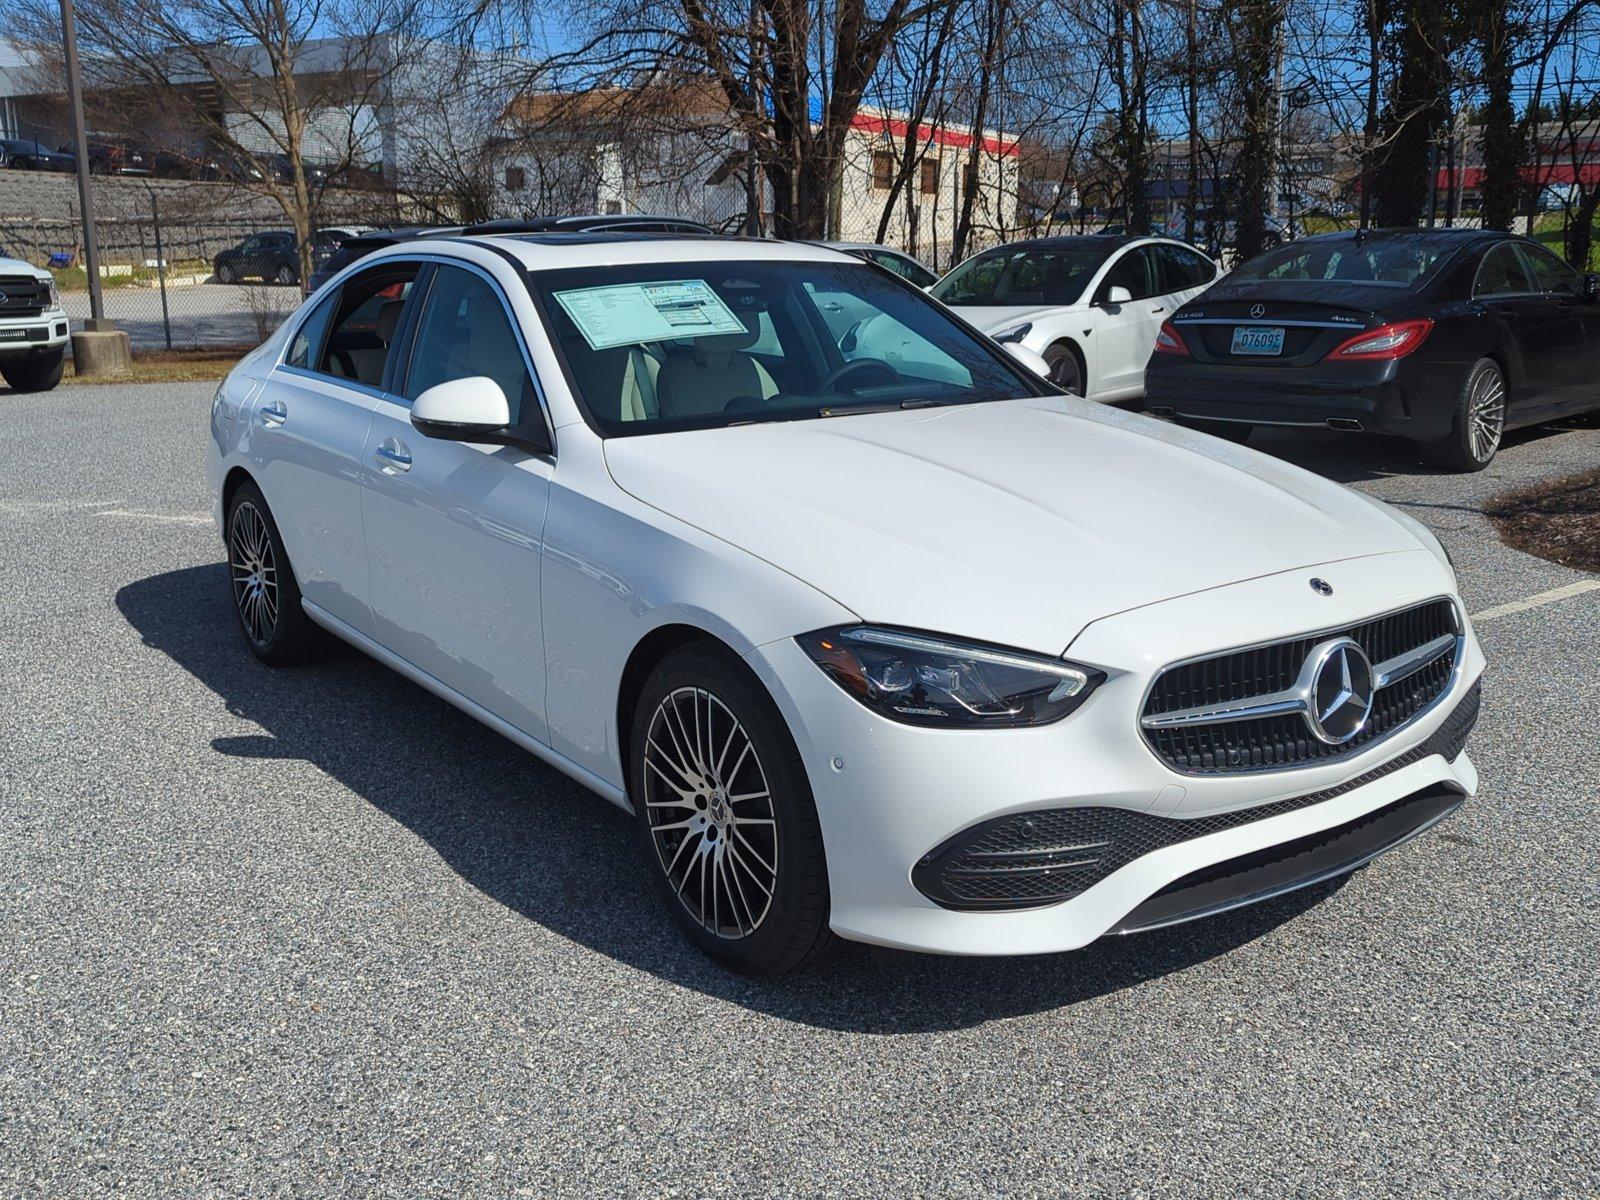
x,y
545,847
1358,458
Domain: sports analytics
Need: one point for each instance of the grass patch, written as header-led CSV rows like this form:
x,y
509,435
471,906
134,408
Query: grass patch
x,y
171,366
76,279
1558,520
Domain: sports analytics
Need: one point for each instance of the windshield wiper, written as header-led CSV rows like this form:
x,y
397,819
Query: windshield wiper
x,y
850,410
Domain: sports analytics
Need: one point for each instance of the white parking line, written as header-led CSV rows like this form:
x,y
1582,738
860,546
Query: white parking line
x,y
1538,601
170,518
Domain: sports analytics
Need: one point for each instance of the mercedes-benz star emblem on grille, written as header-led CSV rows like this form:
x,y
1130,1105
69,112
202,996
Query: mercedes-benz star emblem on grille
x,y
1321,587
1341,690
1258,311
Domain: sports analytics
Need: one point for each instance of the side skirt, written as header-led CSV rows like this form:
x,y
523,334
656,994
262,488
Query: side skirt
x,y
471,707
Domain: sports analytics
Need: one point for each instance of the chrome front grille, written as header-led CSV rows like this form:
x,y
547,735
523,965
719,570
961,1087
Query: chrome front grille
x,y
1246,710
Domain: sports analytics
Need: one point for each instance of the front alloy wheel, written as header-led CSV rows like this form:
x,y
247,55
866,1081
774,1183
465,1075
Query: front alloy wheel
x,y
710,813
724,808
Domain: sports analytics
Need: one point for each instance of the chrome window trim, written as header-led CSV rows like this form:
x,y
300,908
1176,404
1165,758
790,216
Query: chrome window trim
x,y
1248,320
1457,671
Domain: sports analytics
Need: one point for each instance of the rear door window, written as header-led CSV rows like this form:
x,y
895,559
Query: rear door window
x,y
365,323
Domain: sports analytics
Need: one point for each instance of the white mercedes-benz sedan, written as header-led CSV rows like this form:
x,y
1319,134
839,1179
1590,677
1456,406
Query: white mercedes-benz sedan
x,y
1091,305
878,637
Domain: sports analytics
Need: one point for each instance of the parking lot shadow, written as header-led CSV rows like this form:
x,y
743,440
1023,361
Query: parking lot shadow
x,y
543,846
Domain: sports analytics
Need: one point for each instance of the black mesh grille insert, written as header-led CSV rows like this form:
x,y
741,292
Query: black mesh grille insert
x,y
1030,859
1272,743
22,296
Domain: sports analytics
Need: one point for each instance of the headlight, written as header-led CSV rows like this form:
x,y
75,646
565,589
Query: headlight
x,y
1015,334
55,295
925,680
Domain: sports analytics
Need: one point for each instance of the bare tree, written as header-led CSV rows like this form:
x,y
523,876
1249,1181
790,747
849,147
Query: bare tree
x,y
283,96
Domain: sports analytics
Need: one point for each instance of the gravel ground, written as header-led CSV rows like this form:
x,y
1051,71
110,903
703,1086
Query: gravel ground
x,y
313,933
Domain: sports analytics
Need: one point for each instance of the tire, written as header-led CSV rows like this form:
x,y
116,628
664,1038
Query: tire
x,y
227,273
1479,423
1066,368
285,275
36,373
1228,431
703,708
266,595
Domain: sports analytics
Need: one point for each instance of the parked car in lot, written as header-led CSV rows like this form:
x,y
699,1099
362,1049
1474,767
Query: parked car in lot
x,y
1091,305
1445,336
274,255
23,154
110,154
926,655
902,264
33,327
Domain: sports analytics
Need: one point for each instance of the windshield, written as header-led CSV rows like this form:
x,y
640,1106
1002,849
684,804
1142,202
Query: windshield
x,y
1017,275
698,345
1395,263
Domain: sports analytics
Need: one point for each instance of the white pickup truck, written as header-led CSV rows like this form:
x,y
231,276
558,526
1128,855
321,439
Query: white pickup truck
x,y
33,327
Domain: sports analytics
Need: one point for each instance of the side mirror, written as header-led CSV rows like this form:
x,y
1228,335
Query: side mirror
x,y
1031,359
1591,287
1118,295
474,409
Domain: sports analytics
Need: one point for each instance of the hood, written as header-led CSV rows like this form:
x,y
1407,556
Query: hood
x,y
15,266
990,318
1016,522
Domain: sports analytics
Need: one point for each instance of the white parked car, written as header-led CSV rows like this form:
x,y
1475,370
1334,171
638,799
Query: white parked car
x,y
927,654
1091,305
33,327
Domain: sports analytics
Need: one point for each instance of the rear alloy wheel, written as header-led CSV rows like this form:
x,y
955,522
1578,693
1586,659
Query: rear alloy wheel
x,y
1479,424
36,373
1066,372
266,595
725,810
285,274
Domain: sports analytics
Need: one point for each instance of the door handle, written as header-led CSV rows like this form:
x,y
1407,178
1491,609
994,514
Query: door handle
x,y
395,456
274,414
1160,308
833,306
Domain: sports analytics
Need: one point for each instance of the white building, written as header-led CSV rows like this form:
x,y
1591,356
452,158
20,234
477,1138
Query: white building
x,y
594,152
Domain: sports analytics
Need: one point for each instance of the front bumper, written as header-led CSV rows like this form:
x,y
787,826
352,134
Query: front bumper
x,y
1373,397
28,335
890,796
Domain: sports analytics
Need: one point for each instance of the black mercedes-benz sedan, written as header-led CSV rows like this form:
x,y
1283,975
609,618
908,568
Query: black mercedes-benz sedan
x,y
1446,336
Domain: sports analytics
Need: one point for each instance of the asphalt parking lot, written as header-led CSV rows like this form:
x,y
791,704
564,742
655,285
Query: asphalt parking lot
x,y
314,933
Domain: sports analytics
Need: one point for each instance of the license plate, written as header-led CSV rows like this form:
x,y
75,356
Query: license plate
x,y
1257,339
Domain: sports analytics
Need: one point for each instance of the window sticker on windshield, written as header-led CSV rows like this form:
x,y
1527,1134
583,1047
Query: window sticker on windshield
x,y
620,314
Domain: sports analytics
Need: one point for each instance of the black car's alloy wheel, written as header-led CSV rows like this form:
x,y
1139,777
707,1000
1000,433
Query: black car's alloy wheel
x,y
227,274
725,811
1479,423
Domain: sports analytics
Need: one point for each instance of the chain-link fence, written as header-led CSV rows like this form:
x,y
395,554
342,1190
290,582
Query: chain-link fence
x,y
159,278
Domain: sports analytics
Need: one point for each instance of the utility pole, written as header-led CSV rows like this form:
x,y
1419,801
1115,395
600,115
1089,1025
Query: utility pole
x,y
100,348
1192,200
